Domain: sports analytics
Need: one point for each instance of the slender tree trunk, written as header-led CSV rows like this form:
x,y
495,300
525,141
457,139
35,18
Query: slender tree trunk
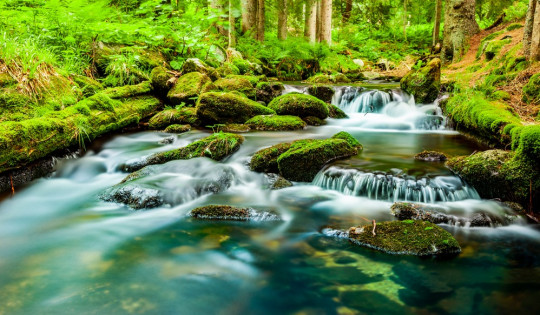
x,y
310,28
249,15
437,24
326,21
348,10
261,20
217,5
282,19
405,19
535,38
232,36
318,21
529,25
459,25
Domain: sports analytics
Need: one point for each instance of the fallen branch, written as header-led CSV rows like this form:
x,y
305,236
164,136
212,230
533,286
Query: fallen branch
x,y
374,226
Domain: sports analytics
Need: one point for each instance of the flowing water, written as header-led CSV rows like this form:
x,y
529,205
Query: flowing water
x,y
63,250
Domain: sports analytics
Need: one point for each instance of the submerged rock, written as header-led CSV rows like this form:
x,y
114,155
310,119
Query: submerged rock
x,y
424,83
165,118
223,107
408,237
188,87
281,183
299,105
276,123
217,147
135,197
431,156
221,212
336,112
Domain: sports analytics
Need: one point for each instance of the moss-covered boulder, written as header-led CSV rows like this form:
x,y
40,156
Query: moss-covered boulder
x,y
431,156
424,83
322,92
265,160
336,112
159,78
267,91
499,174
253,79
184,115
329,78
314,121
276,123
531,90
217,147
228,107
176,128
228,68
306,158
237,83
349,138
222,212
493,48
234,128
197,65
188,87
299,105
408,237
87,85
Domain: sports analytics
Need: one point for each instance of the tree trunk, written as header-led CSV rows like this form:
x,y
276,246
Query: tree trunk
x,y
529,25
310,28
326,21
260,20
348,10
249,15
282,19
318,23
437,24
405,19
459,25
232,36
217,5
535,38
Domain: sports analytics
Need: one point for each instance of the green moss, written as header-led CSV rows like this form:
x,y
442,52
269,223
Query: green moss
x,y
343,135
228,69
327,78
431,156
222,107
336,112
424,83
237,83
305,158
314,121
87,85
275,123
494,47
178,128
514,26
265,160
184,115
253,79
7,80
158,79
267,91
188,88
485,41
527,144
197,65
127,91
500,96
218,212
531,91
299,105
243,66
406,238
322,92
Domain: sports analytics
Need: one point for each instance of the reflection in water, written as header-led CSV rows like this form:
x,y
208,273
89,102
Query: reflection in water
x,y
63,250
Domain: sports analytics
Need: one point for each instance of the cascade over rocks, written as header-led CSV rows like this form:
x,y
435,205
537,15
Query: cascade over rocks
x,y
424,83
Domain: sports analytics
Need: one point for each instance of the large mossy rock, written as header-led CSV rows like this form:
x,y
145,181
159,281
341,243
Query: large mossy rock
x,y
336,112
265,160
188,87
531,90
184,115
329,78
228,107
237,83
424,83
322,92
408,237
217,147
159,78
305,158
267,91
197,65
229,213
499,174
299,105
276,123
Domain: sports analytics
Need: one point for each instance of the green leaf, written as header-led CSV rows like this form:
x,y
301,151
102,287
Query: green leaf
x,y
428,228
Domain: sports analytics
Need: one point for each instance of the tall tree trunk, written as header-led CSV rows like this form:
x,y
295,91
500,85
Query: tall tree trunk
x,y
437,24
535,38
326,21
282,19
249,15
347,12
459,25
318,21
232,36
310,28
405,19
261,20
217,5
529,25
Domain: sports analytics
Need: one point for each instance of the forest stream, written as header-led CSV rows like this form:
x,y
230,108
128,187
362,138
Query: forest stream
x,y
64,250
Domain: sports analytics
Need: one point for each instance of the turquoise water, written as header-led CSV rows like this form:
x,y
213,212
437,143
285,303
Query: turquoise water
x,y
64,251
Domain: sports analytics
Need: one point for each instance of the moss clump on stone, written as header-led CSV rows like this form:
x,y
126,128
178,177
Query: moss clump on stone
x,y
253,79
531,90
216,147
494,47
197,65
265,160
327,78
336,112
500,96
322,92
127,91
184,115
299,105
218,212
281,183
424,83
178,128
267,91
431,156
406,238
236,83
305,158
188,87
159,78
343,135
275,123
314,121
223,107
228,69
88,85
514,26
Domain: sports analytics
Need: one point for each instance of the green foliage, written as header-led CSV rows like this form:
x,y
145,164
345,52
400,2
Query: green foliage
x,y
516,11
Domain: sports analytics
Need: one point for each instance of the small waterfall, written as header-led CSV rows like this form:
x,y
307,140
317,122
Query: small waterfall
x,y
357,100
387,187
